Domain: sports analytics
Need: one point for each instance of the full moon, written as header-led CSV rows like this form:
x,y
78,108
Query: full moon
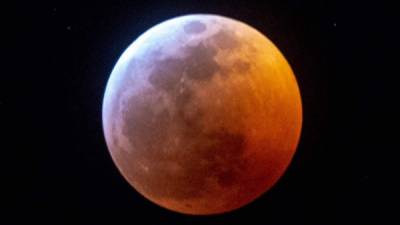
x,y
202,114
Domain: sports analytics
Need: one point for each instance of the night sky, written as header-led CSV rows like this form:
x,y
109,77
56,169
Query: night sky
x,y
58,58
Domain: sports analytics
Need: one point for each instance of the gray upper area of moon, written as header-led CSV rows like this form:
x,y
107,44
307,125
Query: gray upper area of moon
x,y
153,119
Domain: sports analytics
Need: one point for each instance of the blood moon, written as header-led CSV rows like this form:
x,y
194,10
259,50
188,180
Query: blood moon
x,y
202,114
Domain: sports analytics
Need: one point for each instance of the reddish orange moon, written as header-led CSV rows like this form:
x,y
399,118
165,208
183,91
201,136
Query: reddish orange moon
x,y
202,114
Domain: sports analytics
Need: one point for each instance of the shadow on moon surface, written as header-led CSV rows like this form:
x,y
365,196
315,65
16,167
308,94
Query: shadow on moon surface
x,y
201,156
177,144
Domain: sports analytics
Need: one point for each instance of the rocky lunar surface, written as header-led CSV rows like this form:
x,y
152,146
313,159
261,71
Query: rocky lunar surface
x,y
202,114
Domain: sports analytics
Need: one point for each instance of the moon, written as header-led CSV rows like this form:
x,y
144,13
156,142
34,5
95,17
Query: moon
x,y
202,114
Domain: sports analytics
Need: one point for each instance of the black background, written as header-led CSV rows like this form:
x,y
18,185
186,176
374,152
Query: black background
x,y
58,57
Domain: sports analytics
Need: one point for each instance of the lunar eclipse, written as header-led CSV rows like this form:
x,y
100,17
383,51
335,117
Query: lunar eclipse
x,y
202,114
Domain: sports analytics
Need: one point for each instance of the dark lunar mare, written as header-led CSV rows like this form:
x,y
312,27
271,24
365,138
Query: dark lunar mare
x,y
216,154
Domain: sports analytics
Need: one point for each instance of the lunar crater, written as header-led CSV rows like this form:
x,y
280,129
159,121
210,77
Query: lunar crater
x,y
194,27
